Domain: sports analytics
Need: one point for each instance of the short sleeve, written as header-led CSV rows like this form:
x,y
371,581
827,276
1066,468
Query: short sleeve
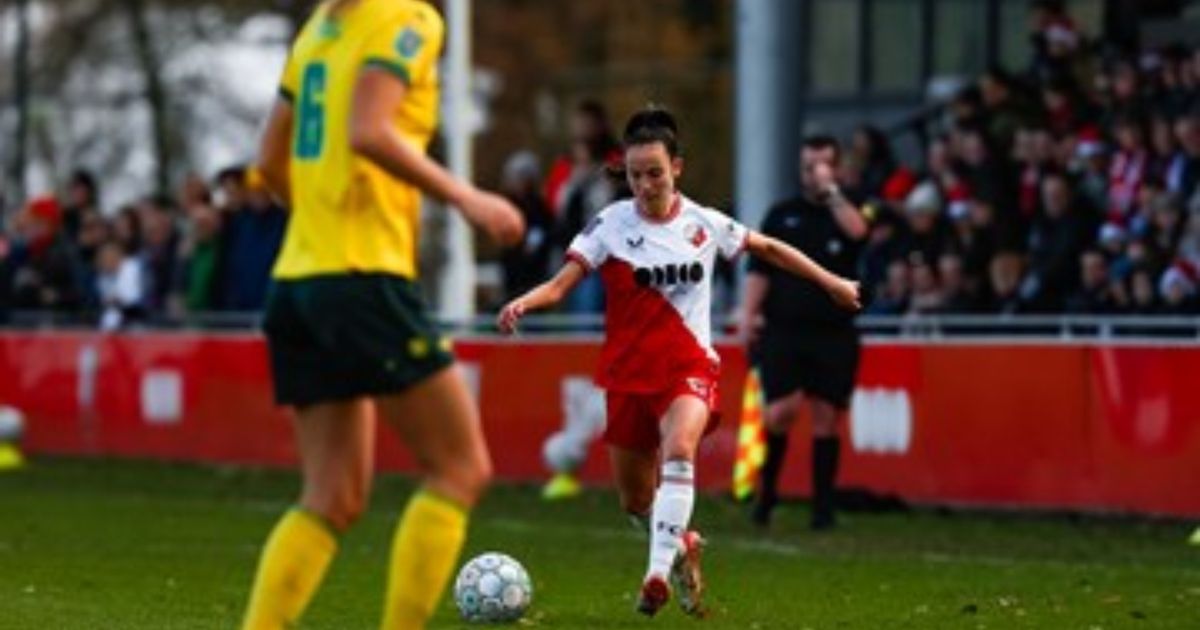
x,y
587,248
289,85
729,235
407,45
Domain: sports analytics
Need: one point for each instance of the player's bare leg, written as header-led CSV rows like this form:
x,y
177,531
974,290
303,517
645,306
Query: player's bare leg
x,y
336,445
439,422
636,475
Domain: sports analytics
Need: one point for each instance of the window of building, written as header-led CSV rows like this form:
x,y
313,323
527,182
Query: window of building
x,y
1015,49
960,39
895,35
835,48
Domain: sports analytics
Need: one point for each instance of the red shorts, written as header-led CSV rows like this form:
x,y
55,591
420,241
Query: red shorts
x,y
633,418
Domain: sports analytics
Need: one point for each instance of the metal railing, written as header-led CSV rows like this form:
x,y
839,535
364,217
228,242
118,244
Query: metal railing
x,y
902,327
1057,327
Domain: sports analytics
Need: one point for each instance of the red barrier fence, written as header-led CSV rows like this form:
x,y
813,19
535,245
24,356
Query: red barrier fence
x,y
1070,426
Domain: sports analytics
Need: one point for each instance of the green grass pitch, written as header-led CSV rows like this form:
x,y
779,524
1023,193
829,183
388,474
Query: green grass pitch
x,y
118,545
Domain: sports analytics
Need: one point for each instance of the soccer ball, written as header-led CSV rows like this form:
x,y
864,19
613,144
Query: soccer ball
x,y
492,588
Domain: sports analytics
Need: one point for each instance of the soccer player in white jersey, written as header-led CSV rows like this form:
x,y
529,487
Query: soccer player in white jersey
x,y
655,255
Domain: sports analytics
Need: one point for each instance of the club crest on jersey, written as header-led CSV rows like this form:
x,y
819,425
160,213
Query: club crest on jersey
x,y
409,43
695,234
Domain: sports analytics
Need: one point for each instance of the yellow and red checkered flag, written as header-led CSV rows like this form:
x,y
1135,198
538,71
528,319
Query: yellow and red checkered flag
x,y
751,445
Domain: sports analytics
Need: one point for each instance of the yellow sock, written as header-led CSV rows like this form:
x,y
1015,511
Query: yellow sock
x,y
290,570
424,551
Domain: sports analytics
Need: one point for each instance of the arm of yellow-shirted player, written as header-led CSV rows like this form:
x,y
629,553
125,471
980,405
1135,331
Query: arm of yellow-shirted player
x,y
274,147
544,295
273,160
844,292
373,135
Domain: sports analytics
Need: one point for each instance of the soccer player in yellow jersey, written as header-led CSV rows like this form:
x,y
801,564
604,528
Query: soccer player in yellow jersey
x,y
348,336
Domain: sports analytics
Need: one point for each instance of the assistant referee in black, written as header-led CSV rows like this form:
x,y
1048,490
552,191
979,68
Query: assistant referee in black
x,y
804,345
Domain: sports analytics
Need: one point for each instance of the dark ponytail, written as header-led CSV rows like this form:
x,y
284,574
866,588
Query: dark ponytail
x,y
650,125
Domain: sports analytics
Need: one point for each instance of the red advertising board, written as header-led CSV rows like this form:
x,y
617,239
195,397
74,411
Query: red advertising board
x,y
1052,425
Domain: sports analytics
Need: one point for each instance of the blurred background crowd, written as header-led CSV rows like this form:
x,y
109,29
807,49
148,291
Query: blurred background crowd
x,y
1071,185
208,248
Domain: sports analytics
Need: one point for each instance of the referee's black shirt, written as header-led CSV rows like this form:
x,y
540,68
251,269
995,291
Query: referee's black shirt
x,y
792,302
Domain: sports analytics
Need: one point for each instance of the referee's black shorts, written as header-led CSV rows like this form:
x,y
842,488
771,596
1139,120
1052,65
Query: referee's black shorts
x,y
821,361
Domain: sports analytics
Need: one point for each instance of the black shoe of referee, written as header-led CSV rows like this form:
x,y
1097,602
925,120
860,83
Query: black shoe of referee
x,y
763,507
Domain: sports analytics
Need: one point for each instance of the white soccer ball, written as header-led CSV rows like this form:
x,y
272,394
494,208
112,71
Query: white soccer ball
x,y
12,424
492,588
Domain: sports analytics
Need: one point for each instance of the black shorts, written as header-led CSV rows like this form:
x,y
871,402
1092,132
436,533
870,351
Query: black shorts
x,y
343,336
820,361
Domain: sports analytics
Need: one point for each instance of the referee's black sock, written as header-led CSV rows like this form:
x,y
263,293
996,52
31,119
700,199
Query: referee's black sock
x,y
824,474
768,487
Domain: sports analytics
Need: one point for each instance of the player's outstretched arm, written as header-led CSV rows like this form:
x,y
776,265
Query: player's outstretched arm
x,y
544,295
844,292
377,96
273,152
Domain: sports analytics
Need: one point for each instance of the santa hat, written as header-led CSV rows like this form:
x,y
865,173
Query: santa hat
x,y
1090,143
924,199
1112,232
958,198
1182,274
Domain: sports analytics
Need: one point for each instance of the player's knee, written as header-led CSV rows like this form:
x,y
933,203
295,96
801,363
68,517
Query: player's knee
x,y
340,511
466,480
678,449
481,474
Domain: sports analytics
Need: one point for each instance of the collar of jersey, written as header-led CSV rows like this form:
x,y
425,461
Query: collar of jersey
x,y
676,207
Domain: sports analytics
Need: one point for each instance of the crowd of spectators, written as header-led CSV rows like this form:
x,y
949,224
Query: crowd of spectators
x,y
207,249
1070,187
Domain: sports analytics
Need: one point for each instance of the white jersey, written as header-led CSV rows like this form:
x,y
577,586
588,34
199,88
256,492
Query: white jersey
x,y
657,276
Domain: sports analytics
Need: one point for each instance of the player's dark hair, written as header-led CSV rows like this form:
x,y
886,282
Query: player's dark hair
x,y
650,125
824,141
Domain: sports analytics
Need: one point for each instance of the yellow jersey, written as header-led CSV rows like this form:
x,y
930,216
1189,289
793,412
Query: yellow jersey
x,y
348,215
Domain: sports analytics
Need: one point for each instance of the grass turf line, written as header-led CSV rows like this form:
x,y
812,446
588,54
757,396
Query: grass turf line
x,y
87,544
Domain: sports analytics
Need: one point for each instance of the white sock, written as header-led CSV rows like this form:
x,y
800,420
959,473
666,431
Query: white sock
x,y
671,514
